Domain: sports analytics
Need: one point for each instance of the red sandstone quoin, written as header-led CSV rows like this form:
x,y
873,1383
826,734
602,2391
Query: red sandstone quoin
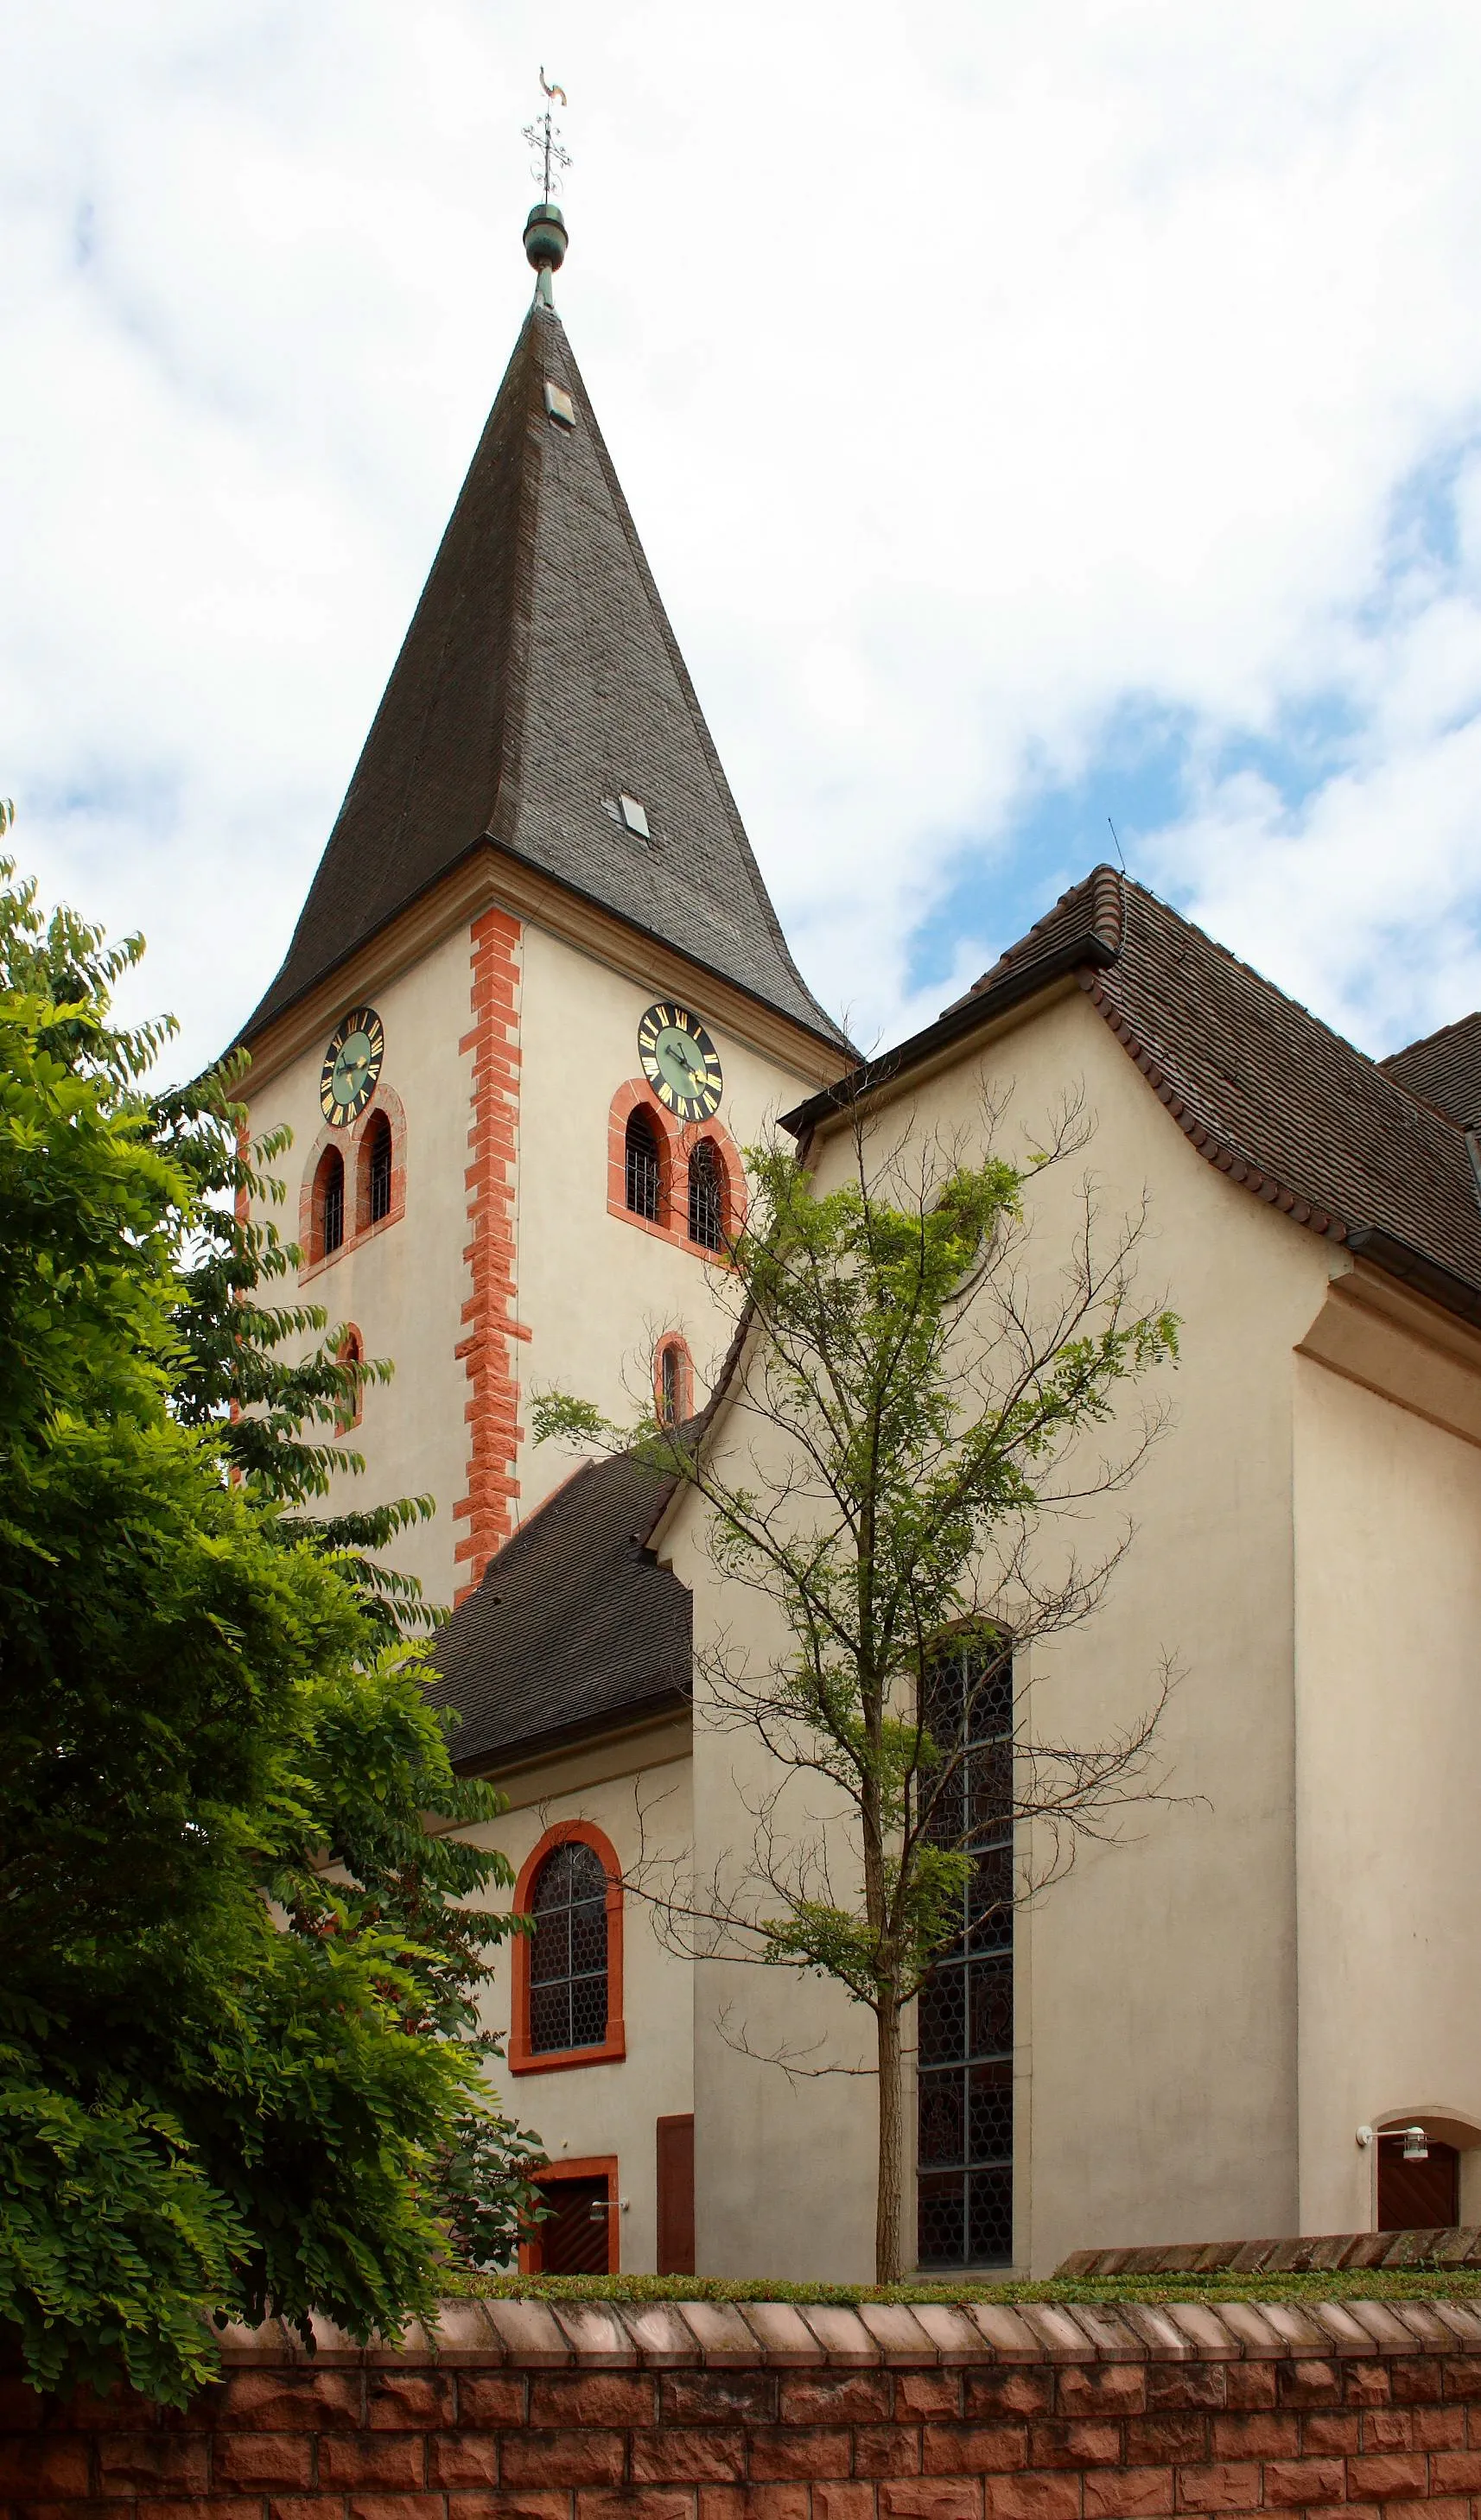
x,y
696,2410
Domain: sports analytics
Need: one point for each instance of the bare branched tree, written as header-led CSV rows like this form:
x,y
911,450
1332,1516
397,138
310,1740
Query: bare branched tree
x,y
912,1395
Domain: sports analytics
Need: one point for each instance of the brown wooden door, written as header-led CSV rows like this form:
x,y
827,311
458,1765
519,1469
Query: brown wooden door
x,y
676,2196
1417,2195
574,2239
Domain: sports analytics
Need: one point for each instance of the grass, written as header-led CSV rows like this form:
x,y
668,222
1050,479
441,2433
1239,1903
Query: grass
x,y
1372,2283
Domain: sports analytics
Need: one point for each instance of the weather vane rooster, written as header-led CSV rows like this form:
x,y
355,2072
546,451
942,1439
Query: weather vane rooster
x,y
544,137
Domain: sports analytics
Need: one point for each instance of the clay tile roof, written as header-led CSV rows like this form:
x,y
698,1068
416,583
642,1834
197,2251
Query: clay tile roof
x,y
1263,1090
574,1626
539,681
1444,1070
1088,908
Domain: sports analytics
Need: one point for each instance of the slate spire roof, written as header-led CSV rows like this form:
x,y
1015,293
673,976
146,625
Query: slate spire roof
x,y
539,682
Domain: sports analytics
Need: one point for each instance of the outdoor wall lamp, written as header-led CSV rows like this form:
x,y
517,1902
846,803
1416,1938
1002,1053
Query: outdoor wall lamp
x,y
1415,2147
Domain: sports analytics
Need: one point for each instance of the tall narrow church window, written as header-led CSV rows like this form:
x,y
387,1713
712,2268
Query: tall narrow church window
x,y
376,1155
329,1201
645,1171
965,2013
567,1958
706,1199
673,1382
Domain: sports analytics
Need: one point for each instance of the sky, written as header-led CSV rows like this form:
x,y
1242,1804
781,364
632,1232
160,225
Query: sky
x,y
1038,416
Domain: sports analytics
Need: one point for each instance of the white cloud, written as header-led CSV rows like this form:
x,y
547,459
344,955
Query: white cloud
x,y
974,377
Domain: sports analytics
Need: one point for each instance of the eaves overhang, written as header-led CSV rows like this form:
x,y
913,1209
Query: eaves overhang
x,y
495,1759
525,879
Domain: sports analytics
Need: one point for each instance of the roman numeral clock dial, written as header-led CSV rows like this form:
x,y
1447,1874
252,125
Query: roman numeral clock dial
x,y
351,1067
679,1061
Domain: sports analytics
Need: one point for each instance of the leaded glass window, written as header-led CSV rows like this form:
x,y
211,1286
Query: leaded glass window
x,y
567,1954
965,2013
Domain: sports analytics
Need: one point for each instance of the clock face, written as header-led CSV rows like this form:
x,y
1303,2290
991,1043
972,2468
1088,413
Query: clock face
x,y
679,1061
351,1066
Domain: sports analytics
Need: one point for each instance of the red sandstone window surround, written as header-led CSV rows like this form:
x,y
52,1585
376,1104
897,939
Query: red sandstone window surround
x,y
695,1195
355,1181
673,1380
350,1411
548,1973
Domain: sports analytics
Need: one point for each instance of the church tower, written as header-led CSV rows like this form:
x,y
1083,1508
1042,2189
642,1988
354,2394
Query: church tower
x,y
537,999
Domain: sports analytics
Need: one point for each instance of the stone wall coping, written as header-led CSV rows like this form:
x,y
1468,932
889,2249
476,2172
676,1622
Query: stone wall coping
x,y
1320,2254
534,2335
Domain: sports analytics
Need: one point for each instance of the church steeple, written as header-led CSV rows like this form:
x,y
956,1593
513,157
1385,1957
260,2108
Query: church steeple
x,y
539,694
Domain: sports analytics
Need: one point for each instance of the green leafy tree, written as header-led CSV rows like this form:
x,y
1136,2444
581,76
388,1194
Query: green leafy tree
x,y
238,2056
898,1424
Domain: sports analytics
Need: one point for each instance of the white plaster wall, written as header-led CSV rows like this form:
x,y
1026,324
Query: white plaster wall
x,y
606,2109
1157,1984
595,1290
1388,1729
406,1285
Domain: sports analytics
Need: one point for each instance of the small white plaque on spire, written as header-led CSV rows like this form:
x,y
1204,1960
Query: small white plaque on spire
x,y
559,404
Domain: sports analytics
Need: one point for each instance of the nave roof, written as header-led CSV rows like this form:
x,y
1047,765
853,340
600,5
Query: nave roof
x,y
575,1627
1357,1149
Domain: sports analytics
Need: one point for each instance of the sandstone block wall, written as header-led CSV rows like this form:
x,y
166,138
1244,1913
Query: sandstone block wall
x,y
519,2411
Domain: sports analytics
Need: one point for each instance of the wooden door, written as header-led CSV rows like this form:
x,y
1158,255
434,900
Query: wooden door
x,y
676,2196
1417,2195
575,2238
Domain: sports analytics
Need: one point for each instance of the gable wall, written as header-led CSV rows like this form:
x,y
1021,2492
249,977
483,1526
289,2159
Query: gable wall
x,y
638,1793
1157,1984
1388,1714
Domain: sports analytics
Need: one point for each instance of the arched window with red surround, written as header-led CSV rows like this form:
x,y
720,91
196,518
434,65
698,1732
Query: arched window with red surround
x,y
706,1199
567,1970
351,1405
375,1203
643,1181
328,1204
673,1380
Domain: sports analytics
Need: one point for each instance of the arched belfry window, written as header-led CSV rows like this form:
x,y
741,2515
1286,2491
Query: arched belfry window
x,y
376,1162
706,1199
645,1168
329,1201
567,1960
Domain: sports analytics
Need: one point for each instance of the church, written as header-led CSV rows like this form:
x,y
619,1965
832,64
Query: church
x,y
535,1006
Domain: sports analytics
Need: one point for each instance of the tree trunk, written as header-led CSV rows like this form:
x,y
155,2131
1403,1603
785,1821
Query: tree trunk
x,y
887,2199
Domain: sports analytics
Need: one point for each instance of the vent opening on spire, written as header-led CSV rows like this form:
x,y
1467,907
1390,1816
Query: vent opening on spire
x,y
627,811
559,404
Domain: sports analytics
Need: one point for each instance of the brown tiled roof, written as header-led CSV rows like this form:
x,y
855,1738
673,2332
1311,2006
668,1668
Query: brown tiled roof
x,y
1444,1070
539,677
1260,1086
574,1627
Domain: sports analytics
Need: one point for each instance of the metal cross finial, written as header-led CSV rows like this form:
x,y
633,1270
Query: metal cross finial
x,y
544,137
